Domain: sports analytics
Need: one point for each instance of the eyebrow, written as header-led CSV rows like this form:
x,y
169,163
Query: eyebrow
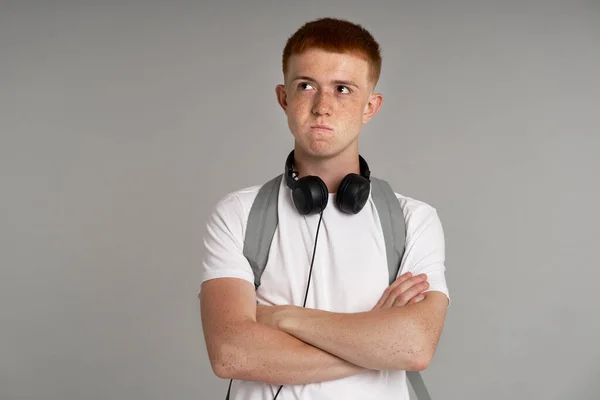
x,y
336,82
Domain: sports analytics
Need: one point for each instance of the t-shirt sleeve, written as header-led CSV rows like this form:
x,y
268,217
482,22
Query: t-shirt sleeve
x,y
223,243
425,249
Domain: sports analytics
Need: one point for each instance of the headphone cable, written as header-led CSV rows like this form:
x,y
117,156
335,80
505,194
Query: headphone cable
x,y
309,276
305,295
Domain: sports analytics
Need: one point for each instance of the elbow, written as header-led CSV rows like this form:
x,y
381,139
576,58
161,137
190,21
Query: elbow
x,y
221,370
419,363
409,360
230,357
225,362
417,358
419,352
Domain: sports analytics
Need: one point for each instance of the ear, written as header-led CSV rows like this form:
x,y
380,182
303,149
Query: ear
x,y
281,93
372,107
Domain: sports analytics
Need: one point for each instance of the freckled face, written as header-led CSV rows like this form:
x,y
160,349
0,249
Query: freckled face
x,y
327,98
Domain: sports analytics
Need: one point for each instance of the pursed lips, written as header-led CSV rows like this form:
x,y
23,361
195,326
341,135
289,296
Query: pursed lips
x,y
322,128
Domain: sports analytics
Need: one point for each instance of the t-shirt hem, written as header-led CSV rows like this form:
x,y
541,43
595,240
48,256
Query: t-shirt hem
x,y
225,273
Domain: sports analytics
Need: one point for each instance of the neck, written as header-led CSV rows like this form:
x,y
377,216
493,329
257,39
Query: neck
x,y
331,169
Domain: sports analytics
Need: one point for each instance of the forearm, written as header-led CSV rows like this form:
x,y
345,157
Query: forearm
x,y
382,339
260,353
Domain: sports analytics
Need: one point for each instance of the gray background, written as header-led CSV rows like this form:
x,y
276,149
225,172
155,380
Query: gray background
x,y
123,122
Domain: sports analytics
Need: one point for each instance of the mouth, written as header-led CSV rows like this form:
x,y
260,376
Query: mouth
x,y
321,128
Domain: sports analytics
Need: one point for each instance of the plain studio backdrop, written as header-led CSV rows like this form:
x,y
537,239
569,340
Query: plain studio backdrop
x,y
123,122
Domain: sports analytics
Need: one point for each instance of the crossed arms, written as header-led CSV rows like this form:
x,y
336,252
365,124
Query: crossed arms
x,y
293,345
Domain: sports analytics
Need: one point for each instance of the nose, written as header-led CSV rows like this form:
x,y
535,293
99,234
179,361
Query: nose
x,y
322,104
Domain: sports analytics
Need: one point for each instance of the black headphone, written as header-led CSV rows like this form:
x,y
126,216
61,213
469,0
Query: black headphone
x,y
310,194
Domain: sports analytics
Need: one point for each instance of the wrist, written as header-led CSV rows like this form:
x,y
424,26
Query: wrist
x,y
287,317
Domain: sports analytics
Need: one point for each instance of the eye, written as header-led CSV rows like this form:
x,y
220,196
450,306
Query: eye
x,y
304,86
342,88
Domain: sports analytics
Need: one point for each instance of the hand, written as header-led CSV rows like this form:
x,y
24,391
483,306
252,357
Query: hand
x,y
270,315
407,289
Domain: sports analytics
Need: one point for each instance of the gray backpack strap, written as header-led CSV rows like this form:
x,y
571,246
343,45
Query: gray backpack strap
x,y
416,381
262,223
394,233
392,223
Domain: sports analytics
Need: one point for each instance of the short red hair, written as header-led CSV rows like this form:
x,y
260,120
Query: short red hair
x,y
335,35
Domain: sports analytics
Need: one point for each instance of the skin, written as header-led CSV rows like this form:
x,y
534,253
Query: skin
x,y
293,345
406,289
401,332
331,89
244,340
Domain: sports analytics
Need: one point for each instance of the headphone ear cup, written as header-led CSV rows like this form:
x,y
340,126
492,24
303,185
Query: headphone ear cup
x,y
353,193
310,195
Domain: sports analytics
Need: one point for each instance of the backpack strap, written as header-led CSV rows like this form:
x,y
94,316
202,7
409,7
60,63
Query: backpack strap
x,y
261,225
418,385
263,220
392,224
391,217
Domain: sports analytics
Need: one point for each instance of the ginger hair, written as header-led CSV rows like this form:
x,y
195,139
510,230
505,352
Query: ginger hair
x,y
335,35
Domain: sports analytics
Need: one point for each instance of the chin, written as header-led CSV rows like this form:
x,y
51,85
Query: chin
x,y
323,151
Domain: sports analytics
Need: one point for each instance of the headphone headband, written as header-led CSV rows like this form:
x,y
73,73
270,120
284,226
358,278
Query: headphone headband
x,y
289,169
310,193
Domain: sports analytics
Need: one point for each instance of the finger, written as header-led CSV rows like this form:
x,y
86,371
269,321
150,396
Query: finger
x,y
402,278
417,299
406,291
397,289
402,288
417,296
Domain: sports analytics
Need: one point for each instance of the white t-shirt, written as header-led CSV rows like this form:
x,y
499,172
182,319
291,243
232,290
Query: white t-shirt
x,y
349,274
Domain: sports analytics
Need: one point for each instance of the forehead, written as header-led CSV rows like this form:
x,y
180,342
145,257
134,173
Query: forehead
x,y
325,65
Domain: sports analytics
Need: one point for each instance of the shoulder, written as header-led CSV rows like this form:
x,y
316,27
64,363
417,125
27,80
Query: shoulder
x,y
231,211
419,216
413,207
236,204
240,201
224,236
